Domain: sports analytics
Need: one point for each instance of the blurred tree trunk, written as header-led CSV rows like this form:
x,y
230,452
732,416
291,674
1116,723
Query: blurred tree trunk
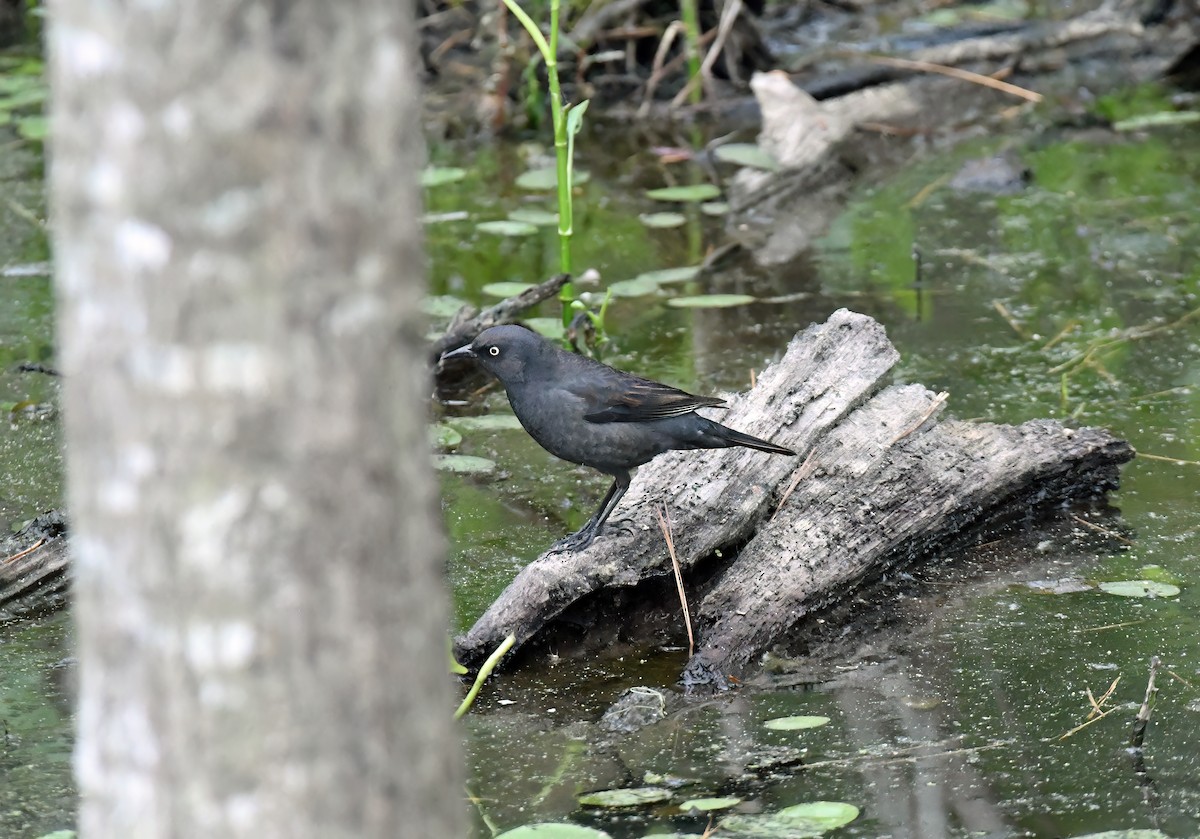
x,y
258,585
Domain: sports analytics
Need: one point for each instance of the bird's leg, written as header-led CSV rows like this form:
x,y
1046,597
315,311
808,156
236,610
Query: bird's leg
x,y
581,539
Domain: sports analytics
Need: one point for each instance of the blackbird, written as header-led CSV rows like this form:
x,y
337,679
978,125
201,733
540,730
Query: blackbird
x,y
589,413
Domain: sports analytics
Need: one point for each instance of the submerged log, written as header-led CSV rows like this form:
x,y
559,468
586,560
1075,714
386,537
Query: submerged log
x,y
880,483
34,565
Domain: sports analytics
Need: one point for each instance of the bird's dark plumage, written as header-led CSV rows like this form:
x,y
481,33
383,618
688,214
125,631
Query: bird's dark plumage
x,y
589,413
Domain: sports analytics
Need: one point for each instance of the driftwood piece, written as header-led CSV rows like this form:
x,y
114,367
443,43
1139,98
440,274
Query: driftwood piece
x,y
34,567
466,325
885,485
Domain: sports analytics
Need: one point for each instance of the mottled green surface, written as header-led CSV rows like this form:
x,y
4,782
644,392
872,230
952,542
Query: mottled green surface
x,y
1041,303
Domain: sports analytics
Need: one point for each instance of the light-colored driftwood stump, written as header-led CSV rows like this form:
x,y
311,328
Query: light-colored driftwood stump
x,y
879,482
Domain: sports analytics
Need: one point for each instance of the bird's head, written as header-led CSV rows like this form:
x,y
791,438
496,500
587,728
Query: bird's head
x,y
506,351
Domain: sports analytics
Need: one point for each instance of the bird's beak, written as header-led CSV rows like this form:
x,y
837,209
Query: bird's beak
x,y
461,352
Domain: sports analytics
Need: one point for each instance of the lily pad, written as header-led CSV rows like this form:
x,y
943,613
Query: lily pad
x,y
686,194
706,804
506,227
711,301
546,179
464,464
637,287
553,830
799,822
795,723
442,305
715,208
442,436
504,289
1158,574
551,328
746,154
33,128
670,275
1140,588
629,797
486,422
432,176
534,216
663,220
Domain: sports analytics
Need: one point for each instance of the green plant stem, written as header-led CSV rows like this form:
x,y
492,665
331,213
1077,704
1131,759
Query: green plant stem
x,y
549,51
691,28
484,672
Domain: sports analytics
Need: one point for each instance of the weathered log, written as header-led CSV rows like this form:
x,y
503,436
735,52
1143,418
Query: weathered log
x,y
466,324
34,567
885,485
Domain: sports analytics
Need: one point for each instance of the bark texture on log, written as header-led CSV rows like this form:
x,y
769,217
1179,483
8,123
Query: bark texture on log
x,y
879,483
34,568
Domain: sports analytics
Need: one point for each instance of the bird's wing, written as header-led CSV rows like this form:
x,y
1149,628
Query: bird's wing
x,y
620,397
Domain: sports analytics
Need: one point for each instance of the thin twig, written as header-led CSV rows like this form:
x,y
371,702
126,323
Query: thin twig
x,y
1174,460
25,552
850,761
1067,329
956,73
665,524
1110,626
803,472
1012,321
1100,529
937,403
728,16
1143,717
1084,725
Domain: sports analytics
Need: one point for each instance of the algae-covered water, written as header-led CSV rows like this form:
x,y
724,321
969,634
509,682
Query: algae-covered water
x,y
1076,297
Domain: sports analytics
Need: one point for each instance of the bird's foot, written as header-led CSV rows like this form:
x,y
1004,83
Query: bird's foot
x,y
574,542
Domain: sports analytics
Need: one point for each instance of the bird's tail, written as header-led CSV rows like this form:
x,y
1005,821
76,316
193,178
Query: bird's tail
x,y
737,438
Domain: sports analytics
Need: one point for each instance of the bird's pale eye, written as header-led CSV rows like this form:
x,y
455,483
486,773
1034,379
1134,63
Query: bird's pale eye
x,y
494,351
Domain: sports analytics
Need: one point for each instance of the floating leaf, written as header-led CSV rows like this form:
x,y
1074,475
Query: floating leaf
x,y
442,436
1140,588
534,216
637,287
505,289
1158,120
687,194
551,328
1158,574
432,176
715,208
464,464
670,275
546,179
795,723
630,797
799,822
705,804
710,301
33,128
663,220
486,422
440,218
746,154
442,305
553,830
506,227
1063,586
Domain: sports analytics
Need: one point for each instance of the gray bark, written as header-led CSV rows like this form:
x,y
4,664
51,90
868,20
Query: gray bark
x,y
258,587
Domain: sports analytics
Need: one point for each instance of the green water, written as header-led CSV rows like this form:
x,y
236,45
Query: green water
x,y
1024,310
